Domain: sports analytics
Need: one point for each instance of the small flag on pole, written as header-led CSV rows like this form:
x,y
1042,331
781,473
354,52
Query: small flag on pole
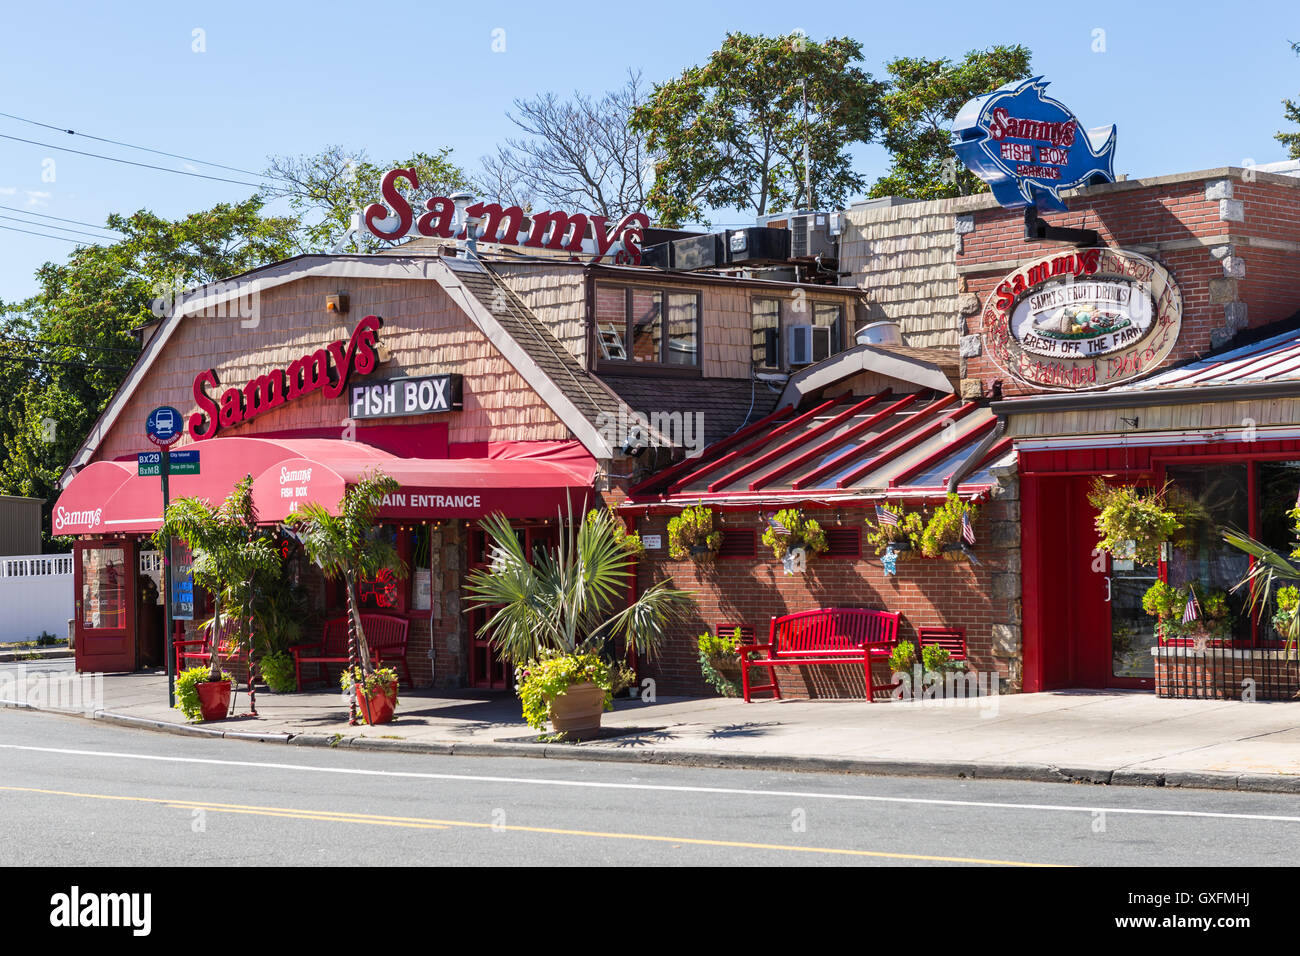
x,y
885,516
777,527
1192,611
967,532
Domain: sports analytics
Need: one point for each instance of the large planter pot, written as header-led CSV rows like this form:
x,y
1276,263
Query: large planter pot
x,y
214,699
577,711
378,708
728,667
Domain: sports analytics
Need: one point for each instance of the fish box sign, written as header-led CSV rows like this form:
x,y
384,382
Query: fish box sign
x,y
422,395
1028,147
1082,320
395,219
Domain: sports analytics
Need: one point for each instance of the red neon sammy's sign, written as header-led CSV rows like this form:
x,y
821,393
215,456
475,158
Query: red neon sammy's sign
x,y
326,370
547,230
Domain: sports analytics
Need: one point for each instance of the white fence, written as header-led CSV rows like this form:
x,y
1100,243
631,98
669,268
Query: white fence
x,y
36,594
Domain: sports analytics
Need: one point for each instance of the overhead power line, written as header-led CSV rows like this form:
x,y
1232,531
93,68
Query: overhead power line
x,y
50,225
43,235
130,162
45,215
115,142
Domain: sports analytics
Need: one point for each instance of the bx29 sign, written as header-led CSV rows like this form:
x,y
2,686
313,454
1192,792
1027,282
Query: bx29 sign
x,y
326,370
1084,319
1028,147
406,396
394,219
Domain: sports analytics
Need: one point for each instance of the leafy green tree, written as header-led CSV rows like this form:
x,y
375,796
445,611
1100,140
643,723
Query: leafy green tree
x,y
325,190
68,347
732,133
923,100
1291,111
230,554
349,545
569,600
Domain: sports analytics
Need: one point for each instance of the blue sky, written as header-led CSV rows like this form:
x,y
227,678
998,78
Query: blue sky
x,y
1190,85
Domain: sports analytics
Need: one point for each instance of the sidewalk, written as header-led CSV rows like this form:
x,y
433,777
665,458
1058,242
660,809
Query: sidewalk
x,y
1129,738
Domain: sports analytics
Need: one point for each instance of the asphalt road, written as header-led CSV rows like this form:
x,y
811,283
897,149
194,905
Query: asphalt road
x,y
74,792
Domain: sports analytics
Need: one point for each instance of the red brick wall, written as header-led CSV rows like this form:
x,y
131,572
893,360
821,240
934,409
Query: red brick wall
x,y
926,592
1243,286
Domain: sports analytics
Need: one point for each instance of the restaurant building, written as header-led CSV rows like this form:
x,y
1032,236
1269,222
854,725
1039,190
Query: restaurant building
x,y
484,377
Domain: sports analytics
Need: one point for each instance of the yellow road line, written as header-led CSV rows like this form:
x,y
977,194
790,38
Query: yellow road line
x,y
330,816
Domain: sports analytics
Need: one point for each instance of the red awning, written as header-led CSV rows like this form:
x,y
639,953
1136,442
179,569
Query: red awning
x,y
290,472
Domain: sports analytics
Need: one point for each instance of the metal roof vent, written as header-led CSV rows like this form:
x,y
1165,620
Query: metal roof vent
x,y
880,333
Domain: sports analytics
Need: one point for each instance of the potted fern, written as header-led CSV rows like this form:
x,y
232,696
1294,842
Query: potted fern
x,y
691,535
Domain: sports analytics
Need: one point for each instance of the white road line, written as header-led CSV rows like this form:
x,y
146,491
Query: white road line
x,y
598,785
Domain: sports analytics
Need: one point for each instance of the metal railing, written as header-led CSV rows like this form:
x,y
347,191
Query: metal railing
x,y
1217,670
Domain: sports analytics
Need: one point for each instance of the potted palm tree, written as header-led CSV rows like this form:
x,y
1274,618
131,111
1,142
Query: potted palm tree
x,y
230,554
349,546
553,617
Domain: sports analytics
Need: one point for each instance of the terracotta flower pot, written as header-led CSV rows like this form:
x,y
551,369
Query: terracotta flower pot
x,y
214,699
379,707
577,711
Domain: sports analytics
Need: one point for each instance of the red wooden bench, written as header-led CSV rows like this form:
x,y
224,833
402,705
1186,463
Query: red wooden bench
x,y
952,638
385,634
825,636
196,651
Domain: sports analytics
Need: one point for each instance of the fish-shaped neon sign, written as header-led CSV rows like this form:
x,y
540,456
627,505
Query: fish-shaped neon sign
x,y
1028,147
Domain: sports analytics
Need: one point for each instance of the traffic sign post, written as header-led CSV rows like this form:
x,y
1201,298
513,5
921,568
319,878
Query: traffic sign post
x,y
163,427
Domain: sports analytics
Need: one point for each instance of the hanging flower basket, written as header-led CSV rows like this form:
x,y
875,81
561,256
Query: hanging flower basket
x,y
942,537
795,539
691,535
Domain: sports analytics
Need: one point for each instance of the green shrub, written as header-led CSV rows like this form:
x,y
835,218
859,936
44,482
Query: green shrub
x,y
903,656
908,531
718,649
944,527
541,681
804,532
277,671
629,541
1132,524
936,658
691,530
187,691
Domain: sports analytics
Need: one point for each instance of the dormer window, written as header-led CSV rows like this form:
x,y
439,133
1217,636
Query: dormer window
x,y
643,326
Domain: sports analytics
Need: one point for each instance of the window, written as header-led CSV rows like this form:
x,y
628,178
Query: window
x,y
1220,494
831,315
765,316
647,326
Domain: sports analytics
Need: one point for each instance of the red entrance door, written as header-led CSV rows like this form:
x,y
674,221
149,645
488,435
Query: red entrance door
x,y
485,669
1084,624
104,576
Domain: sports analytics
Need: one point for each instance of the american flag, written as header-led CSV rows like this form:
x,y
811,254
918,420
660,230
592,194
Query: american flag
x,y
777,527
1192,611
885,516
967,532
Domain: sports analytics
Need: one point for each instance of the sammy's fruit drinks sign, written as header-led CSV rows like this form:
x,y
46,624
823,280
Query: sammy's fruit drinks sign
x,y
1085,319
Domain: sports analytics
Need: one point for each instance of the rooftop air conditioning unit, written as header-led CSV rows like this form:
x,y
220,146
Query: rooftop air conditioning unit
x,y
810,235
809,344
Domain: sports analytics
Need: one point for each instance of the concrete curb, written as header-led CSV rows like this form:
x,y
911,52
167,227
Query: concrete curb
x,y
604,752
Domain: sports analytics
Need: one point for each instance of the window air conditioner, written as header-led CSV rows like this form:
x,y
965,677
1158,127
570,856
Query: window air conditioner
x,y
809,344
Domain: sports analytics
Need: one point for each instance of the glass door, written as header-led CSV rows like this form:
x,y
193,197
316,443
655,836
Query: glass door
x,y
105,585
1132,630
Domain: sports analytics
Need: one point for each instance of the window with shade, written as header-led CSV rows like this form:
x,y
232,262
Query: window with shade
x,y
642,326
830,315
765,314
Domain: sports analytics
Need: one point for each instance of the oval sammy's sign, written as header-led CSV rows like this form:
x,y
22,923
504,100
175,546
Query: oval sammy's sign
x,y
1082,320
